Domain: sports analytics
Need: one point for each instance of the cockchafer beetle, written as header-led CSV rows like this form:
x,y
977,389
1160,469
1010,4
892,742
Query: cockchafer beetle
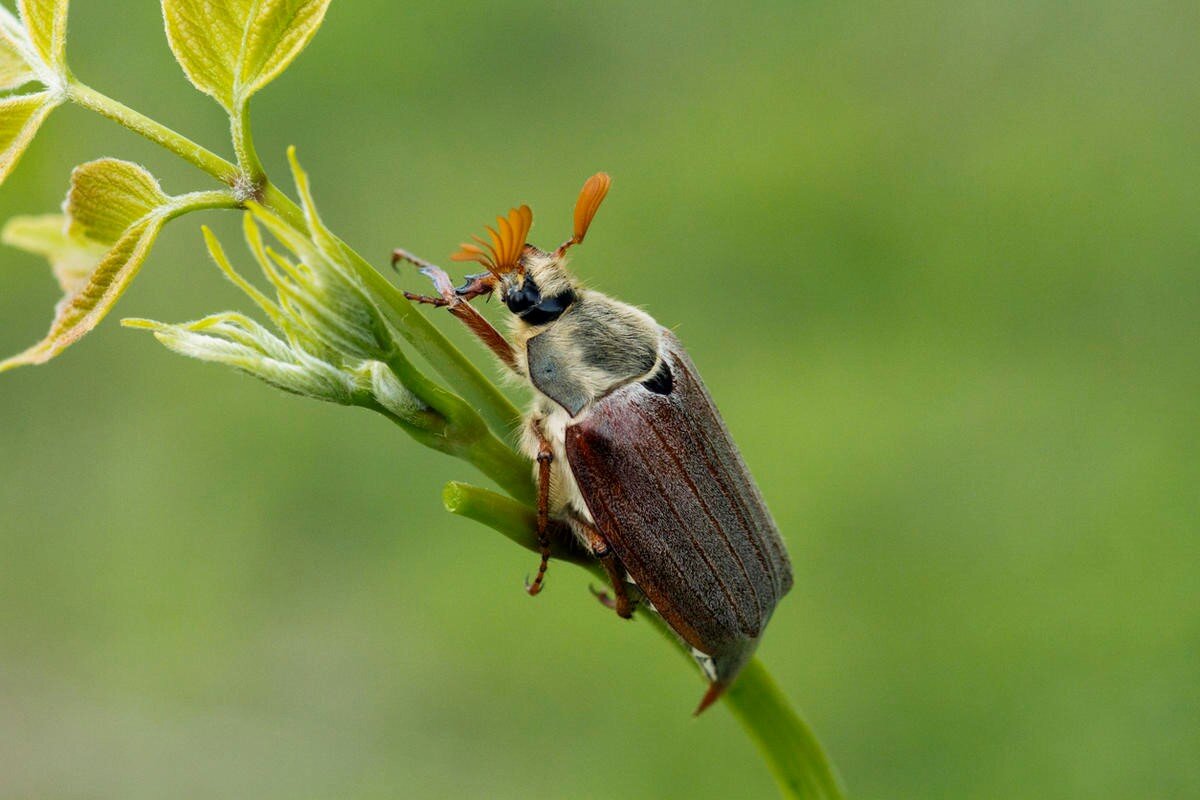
x,y
629,449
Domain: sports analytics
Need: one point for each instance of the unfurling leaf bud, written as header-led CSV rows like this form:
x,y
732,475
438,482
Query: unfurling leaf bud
x,y
240,342
394,396
319,290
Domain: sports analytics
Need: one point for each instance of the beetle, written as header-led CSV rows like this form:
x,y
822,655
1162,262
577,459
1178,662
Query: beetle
x,y
629,450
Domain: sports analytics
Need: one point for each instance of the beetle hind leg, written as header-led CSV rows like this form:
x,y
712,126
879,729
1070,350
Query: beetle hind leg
x,y
622,603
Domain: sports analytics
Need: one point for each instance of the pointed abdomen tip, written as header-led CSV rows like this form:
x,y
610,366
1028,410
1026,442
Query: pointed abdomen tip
x,y
715,690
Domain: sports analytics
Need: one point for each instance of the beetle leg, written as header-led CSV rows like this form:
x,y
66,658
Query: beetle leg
x,y
486,333
599,546
605,599
544,458
459,306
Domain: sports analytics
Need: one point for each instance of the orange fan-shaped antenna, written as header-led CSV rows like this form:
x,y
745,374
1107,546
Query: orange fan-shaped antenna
x,y
590,197
503,253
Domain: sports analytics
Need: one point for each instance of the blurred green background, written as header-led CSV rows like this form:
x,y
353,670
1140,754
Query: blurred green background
x,y
939,266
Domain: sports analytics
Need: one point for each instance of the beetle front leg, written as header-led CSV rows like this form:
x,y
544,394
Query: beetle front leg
x,y
545,457
456,302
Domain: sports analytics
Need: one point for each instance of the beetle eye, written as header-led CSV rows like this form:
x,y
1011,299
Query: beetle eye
x,y
549,309
524,298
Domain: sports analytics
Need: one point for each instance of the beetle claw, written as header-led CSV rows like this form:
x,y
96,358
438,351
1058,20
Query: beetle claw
x,y
532,589
604,597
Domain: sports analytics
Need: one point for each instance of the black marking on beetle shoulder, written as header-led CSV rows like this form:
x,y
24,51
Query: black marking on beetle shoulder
x,y
662,381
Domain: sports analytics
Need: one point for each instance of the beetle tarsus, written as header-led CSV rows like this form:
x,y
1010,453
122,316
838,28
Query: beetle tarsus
x,y
476,285
424,298
625,605
533,589
400,254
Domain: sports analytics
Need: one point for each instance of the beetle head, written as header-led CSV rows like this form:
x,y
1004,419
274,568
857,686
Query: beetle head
x,y
534,284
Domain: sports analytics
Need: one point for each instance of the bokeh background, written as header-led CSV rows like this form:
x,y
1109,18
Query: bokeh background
x,y
939,266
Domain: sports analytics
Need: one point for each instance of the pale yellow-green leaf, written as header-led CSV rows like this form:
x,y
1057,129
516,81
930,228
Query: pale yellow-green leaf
x,y
14,70
279,30
71,257
20,118
109,195
46,22
79,313
232,48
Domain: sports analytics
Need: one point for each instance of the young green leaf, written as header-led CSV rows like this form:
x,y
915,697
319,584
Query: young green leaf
x,y
72,258
20,118
46,23
232,49
77,314
107,196
14,69
118,207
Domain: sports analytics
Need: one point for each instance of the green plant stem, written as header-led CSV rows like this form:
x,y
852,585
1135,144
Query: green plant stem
x,y
243,145
464,433
788,745
198,201
505,466
513,519
182,146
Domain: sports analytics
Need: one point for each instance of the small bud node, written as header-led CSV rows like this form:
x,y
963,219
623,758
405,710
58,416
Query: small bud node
x,y
245,188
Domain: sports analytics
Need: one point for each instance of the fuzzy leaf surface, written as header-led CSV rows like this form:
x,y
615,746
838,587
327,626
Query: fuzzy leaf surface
x,y
107,196
20,118
79,313
46,23
230,49
71,257
14,70
117,208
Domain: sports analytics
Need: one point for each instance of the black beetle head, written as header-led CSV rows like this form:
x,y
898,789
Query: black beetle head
x,y
532,307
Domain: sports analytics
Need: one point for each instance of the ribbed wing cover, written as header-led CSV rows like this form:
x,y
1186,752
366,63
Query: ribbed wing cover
x,y
670,492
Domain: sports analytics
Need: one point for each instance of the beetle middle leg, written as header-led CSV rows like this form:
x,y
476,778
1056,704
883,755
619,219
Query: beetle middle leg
x,y
545,457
